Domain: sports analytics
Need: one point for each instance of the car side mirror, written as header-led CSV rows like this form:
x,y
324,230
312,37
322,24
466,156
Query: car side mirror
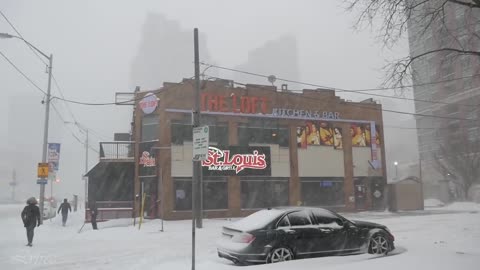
x,y
340,222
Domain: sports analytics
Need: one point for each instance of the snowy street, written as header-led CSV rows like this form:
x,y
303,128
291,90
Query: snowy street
x,y
439,238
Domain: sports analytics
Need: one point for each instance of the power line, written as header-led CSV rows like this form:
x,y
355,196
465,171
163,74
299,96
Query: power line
x,y
20,35
41,59
22,73
365,106
61,94
71,131
359,91
99,135
109,103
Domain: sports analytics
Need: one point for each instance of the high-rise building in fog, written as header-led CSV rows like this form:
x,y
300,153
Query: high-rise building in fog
x,y
24,134
165,53
277,57
458,27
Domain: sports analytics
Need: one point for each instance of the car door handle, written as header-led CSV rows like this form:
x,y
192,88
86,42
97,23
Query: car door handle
x,y
291,232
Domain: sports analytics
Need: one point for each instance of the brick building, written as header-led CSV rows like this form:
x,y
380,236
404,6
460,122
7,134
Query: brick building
x,y
267,148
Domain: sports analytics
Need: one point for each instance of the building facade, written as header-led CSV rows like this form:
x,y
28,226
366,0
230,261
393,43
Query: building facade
x,y
267,148
444,77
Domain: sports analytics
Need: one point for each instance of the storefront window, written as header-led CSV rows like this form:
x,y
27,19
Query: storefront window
x,y
150,127
266,131
183,193
261,192
150,190
322,191
215,193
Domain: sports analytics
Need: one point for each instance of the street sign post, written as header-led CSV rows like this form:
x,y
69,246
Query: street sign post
x,y
42,181
200,143
42,171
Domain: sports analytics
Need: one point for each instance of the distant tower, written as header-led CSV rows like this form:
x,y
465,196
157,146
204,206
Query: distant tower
x,y
13,184
276,58
165,53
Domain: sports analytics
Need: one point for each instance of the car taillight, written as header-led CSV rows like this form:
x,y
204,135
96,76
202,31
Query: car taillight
x,y
243,238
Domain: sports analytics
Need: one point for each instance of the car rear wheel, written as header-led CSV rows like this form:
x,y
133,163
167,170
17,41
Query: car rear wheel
x,y
280,255
379,244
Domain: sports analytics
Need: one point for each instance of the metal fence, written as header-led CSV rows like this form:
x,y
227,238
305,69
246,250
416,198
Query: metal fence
x,y
117,150
108,210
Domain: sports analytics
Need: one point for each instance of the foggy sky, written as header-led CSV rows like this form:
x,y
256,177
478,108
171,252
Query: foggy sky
x,y
96,43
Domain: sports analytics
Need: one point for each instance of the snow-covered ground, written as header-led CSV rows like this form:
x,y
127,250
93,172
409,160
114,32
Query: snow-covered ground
x,y
438,238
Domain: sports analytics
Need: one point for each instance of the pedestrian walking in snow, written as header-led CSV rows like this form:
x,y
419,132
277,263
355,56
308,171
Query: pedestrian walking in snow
x,y
31,218
64,207
93,215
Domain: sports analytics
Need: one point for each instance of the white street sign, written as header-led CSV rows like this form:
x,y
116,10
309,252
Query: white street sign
x,y
200,143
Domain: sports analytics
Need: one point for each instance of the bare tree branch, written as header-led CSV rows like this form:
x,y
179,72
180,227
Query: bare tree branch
x,y
476,4
428,16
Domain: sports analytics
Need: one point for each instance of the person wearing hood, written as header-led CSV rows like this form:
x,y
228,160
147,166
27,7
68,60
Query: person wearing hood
x,y
31,218
64,207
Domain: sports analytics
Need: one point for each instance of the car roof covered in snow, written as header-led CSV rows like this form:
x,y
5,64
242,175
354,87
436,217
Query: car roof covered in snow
x,y
262,218
257,220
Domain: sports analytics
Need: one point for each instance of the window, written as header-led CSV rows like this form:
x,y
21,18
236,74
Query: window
x,y
182,131
218,135
322,191
265,131
283,222
324,217
215,193
299,218
150,190
183,194
258,192
150,127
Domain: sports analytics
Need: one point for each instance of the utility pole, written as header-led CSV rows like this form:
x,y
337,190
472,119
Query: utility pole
x,y
86,169
197,164
47,112
45,133
421,181
197,169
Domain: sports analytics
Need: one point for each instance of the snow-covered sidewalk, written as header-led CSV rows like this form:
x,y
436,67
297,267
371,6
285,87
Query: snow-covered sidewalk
x,y
438,238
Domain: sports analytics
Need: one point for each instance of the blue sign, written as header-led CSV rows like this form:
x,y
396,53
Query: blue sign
x,y
53,157
327,184
42,181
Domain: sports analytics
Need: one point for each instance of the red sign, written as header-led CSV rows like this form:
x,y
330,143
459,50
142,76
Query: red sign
x,y
226,161
146,160
149,103
233,103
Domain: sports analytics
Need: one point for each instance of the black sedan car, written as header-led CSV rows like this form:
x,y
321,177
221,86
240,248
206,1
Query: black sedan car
x,y
275,235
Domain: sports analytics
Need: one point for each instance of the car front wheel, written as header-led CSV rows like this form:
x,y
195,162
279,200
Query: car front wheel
x,y
280,255
379,244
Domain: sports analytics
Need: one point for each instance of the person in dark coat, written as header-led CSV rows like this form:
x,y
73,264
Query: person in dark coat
x,y
64,207
31,218
93,215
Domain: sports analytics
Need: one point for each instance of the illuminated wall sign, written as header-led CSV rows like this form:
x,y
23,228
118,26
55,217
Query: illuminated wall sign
x,y
237,160
233,103
149,103
147,161
287,113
